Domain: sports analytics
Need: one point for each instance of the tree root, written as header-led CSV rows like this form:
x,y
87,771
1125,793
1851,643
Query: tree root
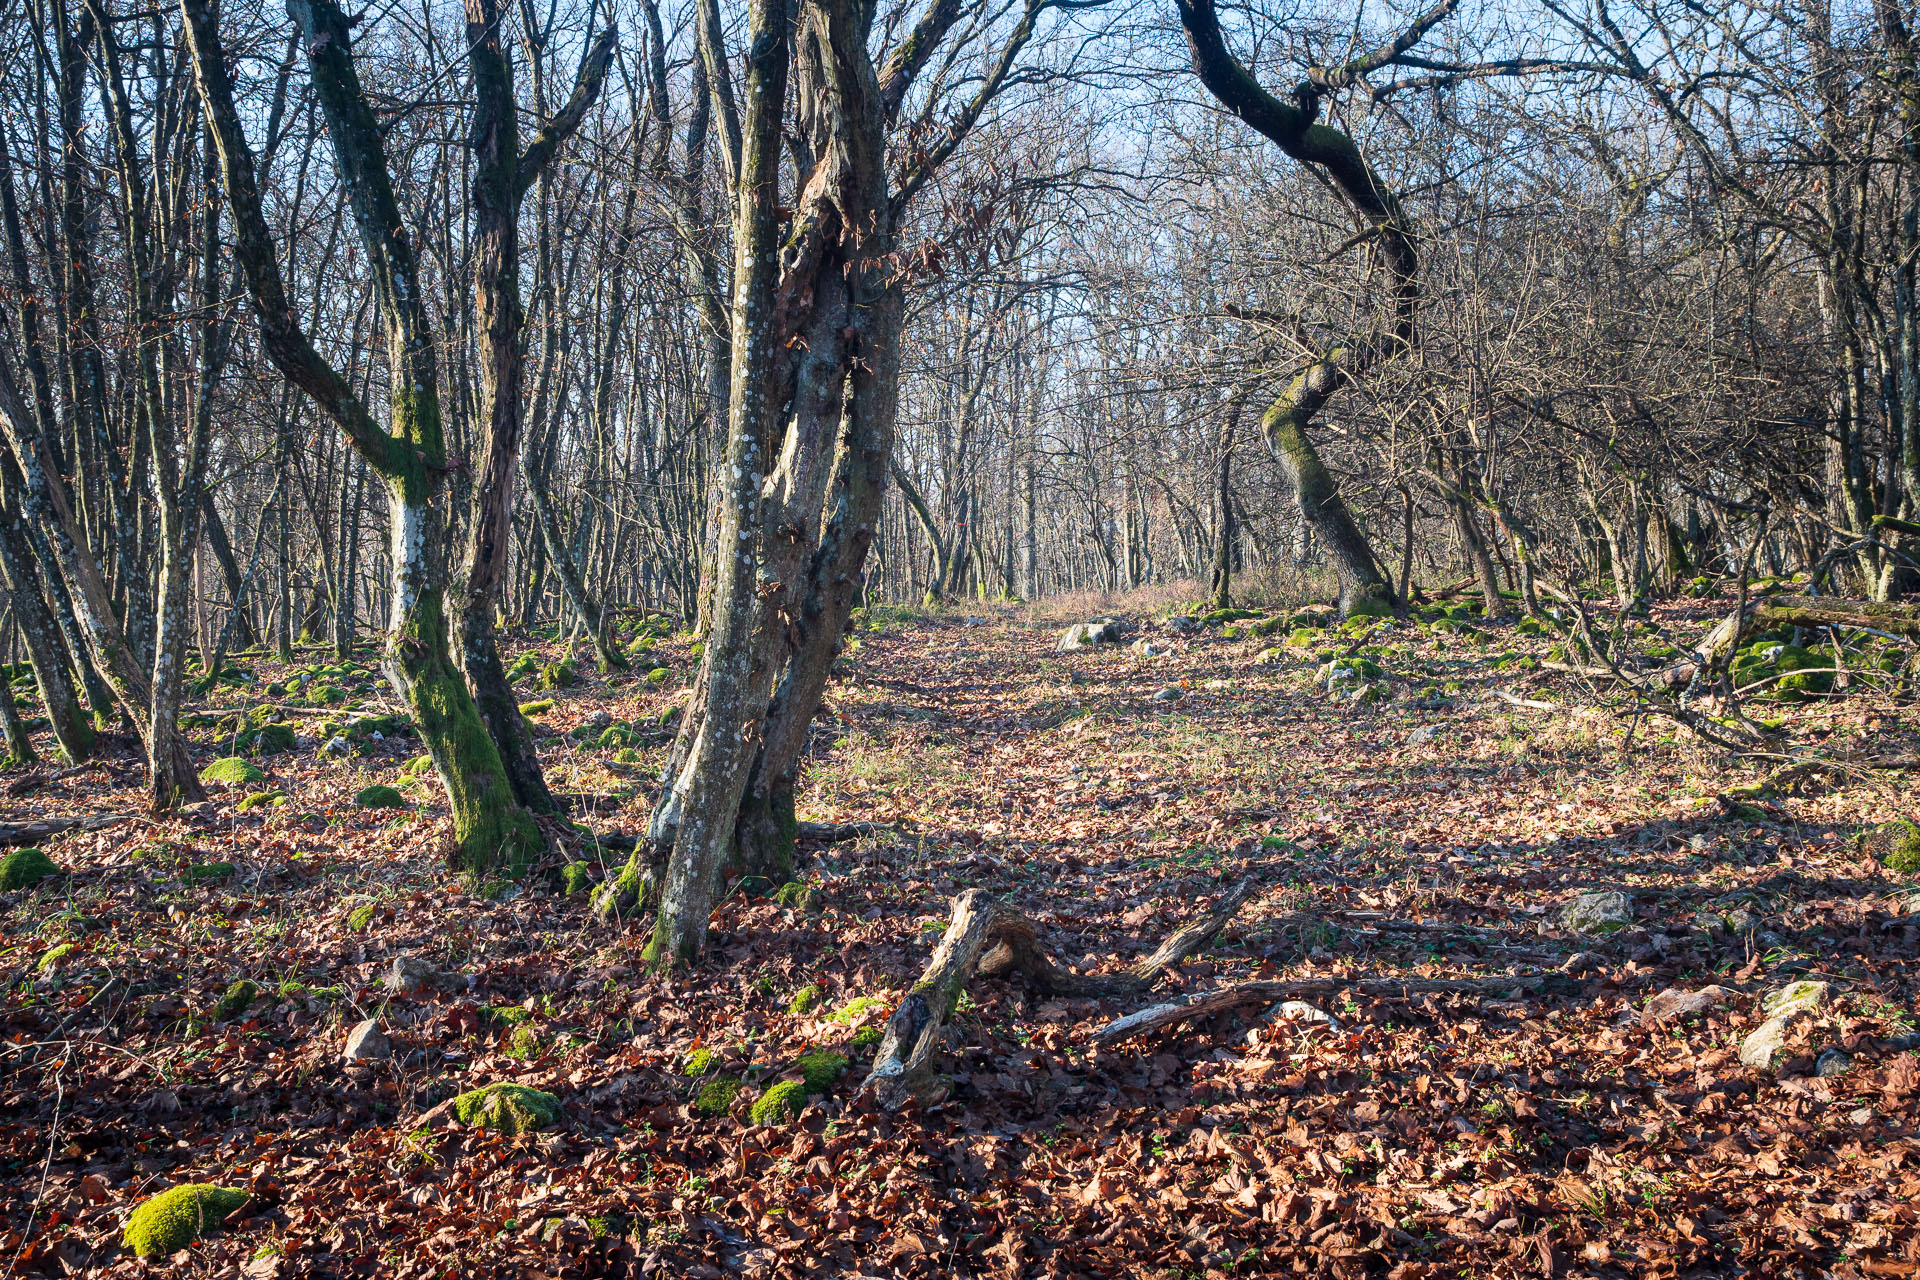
x,y
987,938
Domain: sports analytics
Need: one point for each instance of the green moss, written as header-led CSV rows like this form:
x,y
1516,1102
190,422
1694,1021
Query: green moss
x,y
231,770
263,800
1372,607
558,675
867,1039
1220,617
270,740
804,999
523,666
1529,627
236,1000
821,1068
507,1108
626,755
380,796
417,766
359,918
55,955
174,1219
525,1042
538,707
507,1015
327,695
575,878
859,1007
699,1062
780,1103
616,735
205,872
798,895
716,1096
659,675
1896,844
24,868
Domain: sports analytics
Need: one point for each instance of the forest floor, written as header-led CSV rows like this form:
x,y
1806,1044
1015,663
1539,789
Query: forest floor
x,y
1551,1123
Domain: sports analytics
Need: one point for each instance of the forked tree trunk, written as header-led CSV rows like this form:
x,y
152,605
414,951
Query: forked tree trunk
x,y
491,828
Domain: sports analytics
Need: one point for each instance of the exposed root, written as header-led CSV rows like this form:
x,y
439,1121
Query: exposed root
x,y
1161,1016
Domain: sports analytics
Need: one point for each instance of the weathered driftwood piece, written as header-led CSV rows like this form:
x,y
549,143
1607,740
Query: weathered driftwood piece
x,y
1246,994
985,937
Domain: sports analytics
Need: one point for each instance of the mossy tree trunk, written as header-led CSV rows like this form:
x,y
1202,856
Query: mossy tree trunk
x,y
491,828
37,630
502,173
1292,124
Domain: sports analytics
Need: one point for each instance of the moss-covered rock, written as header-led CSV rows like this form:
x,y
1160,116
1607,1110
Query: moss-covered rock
x,y
821,1068
360,917
208,872
559,675
263,800
779,1104
525,665
626,755
575,878
537,707
1530,627
327,695
804,1000
716,1096
236,1000
1371,607
867,1039
1896,844
169,1222
797,895
507,1108
1220,617
416,767
269,740
25,868
380,796
231,770
699,1061
55,954
659,675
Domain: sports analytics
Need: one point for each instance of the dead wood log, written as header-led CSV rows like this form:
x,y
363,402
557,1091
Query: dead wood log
x,y
1246,994
989,939
834,832
30,832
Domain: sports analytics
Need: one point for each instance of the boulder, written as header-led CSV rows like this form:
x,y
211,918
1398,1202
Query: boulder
x,y
1767,1043
1422,736
1088,635
1805,996
1181,625
1597,914
366,1043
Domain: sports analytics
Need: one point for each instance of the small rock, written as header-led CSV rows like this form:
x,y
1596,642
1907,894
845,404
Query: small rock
x,y
1767,1042
1582,962
1422,736
1741,921
1832,1062
1181,625
1804,996
411,973
1301,1011
971,621
1169,694
337,745
1675,1003
1698,843
366,1042
1596,914
598,720
1148,649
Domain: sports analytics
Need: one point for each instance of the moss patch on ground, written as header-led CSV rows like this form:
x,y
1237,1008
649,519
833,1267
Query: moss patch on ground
x,y
170,1221
507,1108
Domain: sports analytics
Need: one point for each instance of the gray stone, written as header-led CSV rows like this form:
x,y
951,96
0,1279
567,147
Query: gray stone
x,y
411,973
1181,625
1422,736
336,746
1675,1003
1088,635
1766,1043
1148,649
1741,921
366,1042
1805,996
1169,694
1581,962
1301,1011
1597,914
1832,1062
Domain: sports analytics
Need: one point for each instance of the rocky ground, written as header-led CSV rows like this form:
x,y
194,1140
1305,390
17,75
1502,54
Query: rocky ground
x,y
1678,1045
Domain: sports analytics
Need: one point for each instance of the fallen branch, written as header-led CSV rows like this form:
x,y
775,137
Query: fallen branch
x,y
834,832
991,940
1529,703
31,832
1172,1014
